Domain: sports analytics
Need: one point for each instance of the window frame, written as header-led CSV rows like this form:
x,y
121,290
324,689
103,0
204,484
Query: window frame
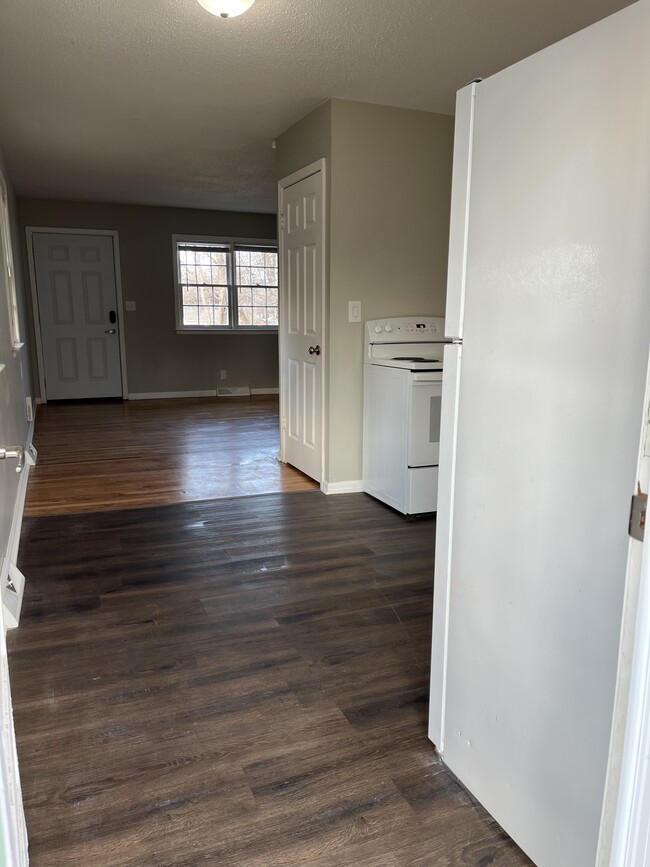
x,y
231,244
8,268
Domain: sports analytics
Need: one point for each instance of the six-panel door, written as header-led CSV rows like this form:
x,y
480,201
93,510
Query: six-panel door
x,y
77,304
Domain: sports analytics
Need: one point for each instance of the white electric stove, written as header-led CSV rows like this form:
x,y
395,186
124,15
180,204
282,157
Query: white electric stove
x,y
401,421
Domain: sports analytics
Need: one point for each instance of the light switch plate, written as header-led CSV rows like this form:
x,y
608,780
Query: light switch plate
x,y
130,306
354,311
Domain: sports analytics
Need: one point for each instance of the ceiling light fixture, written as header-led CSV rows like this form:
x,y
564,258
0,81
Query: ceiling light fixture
x,y
226,8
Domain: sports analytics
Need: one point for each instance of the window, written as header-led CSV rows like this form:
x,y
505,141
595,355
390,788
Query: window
x,y
224,284
7,267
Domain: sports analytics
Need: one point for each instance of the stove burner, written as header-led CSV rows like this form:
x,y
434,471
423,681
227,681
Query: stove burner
x,y
408,358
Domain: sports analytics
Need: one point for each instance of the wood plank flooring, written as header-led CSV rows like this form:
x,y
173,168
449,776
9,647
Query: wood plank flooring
x,y
108,455
240,683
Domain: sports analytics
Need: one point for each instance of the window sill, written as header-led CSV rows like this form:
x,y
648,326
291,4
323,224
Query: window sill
x,y
253,329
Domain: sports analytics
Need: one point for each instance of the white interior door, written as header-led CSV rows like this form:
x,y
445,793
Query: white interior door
x,y
77,304
301,323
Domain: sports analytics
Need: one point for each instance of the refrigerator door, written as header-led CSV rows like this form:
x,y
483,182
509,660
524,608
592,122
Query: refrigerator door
x,y
556,331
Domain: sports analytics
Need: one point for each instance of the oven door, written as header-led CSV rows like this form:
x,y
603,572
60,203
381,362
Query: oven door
x,y
425,398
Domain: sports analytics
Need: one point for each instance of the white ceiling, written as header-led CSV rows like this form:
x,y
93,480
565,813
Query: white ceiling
x,y
159,102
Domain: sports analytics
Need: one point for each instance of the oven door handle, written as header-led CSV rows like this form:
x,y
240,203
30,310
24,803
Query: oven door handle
x,y
425,378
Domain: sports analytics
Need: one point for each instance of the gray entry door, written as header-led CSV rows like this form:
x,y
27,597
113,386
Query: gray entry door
x,y
77,303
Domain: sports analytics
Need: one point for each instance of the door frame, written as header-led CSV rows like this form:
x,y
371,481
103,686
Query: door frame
x,y
626,804
13,829
318,166
30,231
630,833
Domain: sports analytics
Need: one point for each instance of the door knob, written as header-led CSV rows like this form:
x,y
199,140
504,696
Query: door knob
x,y
15,452
111,331
314,350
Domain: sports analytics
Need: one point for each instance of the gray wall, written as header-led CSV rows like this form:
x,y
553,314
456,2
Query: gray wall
x,y
388,194
14,383
159,359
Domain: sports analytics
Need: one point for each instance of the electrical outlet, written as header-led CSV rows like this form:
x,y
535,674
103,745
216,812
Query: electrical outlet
x,y
29,408
354,311
130,306
224,374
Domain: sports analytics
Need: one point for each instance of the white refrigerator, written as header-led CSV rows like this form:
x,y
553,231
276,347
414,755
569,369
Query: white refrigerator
x,y
543,390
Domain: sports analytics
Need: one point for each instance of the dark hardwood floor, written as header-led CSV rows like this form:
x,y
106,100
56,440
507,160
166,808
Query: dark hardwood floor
x,y
240,682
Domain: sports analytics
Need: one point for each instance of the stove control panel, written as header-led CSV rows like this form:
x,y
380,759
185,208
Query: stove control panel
x,y
421,327
405,329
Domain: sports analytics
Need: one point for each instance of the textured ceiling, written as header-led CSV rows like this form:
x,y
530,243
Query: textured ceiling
x,y
159,102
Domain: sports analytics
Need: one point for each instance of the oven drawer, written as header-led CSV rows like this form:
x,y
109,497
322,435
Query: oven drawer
x,y
421,490
425,399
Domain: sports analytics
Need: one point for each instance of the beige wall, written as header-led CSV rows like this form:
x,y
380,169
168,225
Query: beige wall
x,y
389,226
158,359
14,383
389,189
305,142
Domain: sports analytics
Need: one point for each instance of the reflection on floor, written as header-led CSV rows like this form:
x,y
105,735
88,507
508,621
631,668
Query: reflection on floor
x,y
108,455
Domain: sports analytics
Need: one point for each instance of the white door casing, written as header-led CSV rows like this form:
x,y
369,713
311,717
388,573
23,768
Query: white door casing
x,y
301,204
13,831
79,315
625,825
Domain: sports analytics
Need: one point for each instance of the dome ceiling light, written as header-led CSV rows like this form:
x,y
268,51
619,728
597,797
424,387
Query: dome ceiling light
x,y
226,8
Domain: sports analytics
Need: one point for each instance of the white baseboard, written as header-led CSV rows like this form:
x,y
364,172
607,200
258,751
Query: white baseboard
x,y
13,589
163,395
353,487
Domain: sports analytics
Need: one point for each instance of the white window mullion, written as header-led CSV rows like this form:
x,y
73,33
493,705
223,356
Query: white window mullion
x,y
232,282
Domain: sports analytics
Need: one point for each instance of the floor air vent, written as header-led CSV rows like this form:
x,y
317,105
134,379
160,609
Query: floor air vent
x,y
242,391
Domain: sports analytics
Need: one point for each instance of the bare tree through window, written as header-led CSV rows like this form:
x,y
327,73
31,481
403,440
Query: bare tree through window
x,y
226,285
